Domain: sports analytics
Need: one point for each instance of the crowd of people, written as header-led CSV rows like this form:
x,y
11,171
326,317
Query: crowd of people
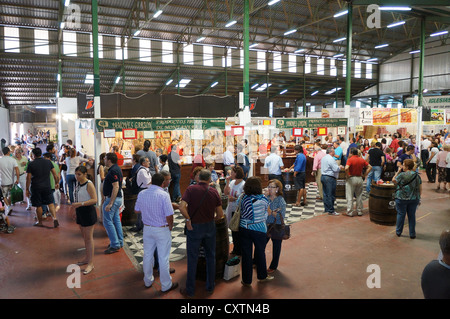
x,y
64,172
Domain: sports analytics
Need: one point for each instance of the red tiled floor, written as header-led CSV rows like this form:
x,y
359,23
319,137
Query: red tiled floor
x,y
327,257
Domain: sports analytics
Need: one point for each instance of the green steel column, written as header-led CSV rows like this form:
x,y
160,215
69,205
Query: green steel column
x,y
226,71
95,47
178,68
123,66
246,55
60,91
348,80
304,87
422,60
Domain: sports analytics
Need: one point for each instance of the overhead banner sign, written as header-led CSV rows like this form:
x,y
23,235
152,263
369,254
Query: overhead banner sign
x,y
290,123
159,124
366,117
386,116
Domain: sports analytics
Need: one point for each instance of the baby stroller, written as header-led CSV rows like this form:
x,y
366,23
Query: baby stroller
x,y
4,222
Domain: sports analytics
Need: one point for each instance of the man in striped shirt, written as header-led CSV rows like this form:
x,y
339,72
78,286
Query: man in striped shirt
x,y
157,215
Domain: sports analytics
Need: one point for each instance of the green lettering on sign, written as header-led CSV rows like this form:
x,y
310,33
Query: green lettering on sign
x,y
288,123
159,124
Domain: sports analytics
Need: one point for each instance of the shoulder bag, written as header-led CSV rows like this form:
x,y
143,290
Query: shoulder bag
x,y
279,231
401,186
236,218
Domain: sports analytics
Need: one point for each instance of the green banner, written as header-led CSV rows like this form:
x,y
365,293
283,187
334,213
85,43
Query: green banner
x,y
288,123
160,124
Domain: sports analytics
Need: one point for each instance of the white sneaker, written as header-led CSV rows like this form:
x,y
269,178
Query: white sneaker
x,y
349,214
334,214
29,207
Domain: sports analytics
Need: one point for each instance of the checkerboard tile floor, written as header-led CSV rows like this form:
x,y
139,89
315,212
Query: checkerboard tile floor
x,y
134,240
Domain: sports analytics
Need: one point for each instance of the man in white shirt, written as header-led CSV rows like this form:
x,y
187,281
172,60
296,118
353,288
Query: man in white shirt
x,y
274,164
8,170
157,215
228,159
143,176
344,146
143,181
424,152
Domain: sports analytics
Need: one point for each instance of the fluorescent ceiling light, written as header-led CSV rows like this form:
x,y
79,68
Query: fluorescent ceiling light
x,y
136,33
284,91
62,25
371,60
438,33
392,8
299,50
183,83
290,31
263,87
66,3
338,55
117,79
229,24
340,13
58,77
381,46
169,81
89,79
253,45
157,13
339,40
314,93
416,51
254,86
395,24
200,39
214,84
332,91
272,2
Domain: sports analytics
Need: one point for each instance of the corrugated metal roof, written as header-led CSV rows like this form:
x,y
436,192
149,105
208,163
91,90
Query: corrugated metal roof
x,y
28,78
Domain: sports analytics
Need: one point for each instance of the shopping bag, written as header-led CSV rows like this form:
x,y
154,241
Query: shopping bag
x,y
16,194
232,268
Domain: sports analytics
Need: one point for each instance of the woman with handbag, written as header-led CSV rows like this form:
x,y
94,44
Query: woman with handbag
x,y
233,189
407,196
253,231
276,214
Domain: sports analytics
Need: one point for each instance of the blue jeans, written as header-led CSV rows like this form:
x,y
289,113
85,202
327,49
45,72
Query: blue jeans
x,y
203,234
248,239
375,175
406,207
112,224
176,186
329,192
71,181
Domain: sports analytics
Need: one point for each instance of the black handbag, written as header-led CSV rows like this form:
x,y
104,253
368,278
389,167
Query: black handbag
x,y
279,231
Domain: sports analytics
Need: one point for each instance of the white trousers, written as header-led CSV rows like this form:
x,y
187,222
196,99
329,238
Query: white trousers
x,y
159,238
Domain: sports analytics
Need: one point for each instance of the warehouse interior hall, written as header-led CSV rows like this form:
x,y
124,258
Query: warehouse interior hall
x,y
227,86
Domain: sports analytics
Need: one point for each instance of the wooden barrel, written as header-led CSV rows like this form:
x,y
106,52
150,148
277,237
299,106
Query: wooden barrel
x,y
381,205
129,217
222,251
388,172
290,191
340,185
